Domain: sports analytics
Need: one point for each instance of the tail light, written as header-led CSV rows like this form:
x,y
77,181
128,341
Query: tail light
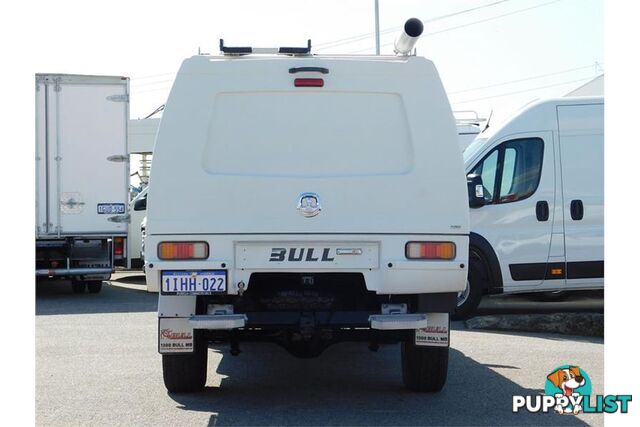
x,y
183,250
430,250
118,247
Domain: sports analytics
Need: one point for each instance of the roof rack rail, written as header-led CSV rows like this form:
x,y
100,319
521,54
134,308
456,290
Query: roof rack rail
x,y
246,50
472,117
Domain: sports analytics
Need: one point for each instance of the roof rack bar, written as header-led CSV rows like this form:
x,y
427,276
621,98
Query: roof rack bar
x,y
474,119
246,50
234,50
296,50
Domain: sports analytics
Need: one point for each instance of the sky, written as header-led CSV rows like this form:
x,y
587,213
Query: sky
x,y
495,42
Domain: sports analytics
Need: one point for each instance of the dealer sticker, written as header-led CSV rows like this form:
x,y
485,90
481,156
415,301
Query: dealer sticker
x,y
175,335
436,334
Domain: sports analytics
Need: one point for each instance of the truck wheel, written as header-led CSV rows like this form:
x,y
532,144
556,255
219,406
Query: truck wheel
x,y
94,286
469,299
424,369
78,287
184,373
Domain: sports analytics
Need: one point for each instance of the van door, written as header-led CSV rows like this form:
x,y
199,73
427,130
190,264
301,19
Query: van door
x,y
581,136
518,177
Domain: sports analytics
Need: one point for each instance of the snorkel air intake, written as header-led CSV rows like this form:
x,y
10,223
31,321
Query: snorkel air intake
x,y
409,37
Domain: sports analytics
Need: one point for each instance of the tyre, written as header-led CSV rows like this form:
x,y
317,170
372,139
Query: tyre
x,y
78,287
469,299
185,373
94,286
424,369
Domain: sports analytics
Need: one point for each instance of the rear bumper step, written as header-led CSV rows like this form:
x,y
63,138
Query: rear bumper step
x,y
72,271
398,321
218,321
376,321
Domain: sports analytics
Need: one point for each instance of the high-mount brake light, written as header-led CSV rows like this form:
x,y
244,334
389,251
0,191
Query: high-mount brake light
x,y
183,250
430,250
308,82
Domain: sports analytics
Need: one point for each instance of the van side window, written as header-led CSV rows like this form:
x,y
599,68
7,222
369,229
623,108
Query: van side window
x,y
488,169
520,169
512,170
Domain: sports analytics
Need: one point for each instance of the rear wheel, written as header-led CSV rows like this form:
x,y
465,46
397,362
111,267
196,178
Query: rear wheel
x,y
424,369
94,286
78,287
184,373
469,299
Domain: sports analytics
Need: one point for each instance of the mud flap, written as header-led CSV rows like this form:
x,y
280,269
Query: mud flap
x,y
436,334
175,335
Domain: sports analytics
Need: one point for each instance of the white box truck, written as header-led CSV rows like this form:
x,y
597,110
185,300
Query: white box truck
x,y
82,177
537,201
306,200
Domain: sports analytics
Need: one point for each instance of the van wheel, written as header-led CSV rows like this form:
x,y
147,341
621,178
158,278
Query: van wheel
x,y
185,373
78,287
424,369
94,286
469,299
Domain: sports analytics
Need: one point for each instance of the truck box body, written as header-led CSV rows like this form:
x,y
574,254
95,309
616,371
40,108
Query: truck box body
x,y
369,127
82,170
81,121
230,161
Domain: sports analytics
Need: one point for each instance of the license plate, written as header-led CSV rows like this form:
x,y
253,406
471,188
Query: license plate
x,y
194,282
110,208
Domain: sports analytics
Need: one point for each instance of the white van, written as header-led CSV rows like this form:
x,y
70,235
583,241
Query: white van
x,y
306,200
539,222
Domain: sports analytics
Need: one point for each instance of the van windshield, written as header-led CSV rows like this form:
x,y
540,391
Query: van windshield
x,y
308,134
473,149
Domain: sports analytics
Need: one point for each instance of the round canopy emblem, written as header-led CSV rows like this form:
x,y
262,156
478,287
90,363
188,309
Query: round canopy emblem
x,y
309,204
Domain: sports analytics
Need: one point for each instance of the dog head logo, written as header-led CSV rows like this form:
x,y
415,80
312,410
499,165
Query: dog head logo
x,y
567,379
568,384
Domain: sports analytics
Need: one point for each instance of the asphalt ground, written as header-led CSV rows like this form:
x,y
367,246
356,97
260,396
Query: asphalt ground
x,y
97,364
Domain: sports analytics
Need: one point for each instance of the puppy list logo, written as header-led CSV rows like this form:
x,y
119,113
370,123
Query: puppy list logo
x,y
569,385
568,391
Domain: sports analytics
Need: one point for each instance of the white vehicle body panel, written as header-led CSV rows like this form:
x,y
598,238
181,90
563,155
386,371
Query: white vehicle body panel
x,y
466,134
135,234
402,277
377,144
535,254
81,121
142,135
581,134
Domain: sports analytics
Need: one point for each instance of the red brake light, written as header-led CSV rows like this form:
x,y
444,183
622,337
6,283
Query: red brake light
x,y
308,82
118,246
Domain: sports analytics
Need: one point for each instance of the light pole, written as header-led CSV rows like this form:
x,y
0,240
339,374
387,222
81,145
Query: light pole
x,y
377,28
